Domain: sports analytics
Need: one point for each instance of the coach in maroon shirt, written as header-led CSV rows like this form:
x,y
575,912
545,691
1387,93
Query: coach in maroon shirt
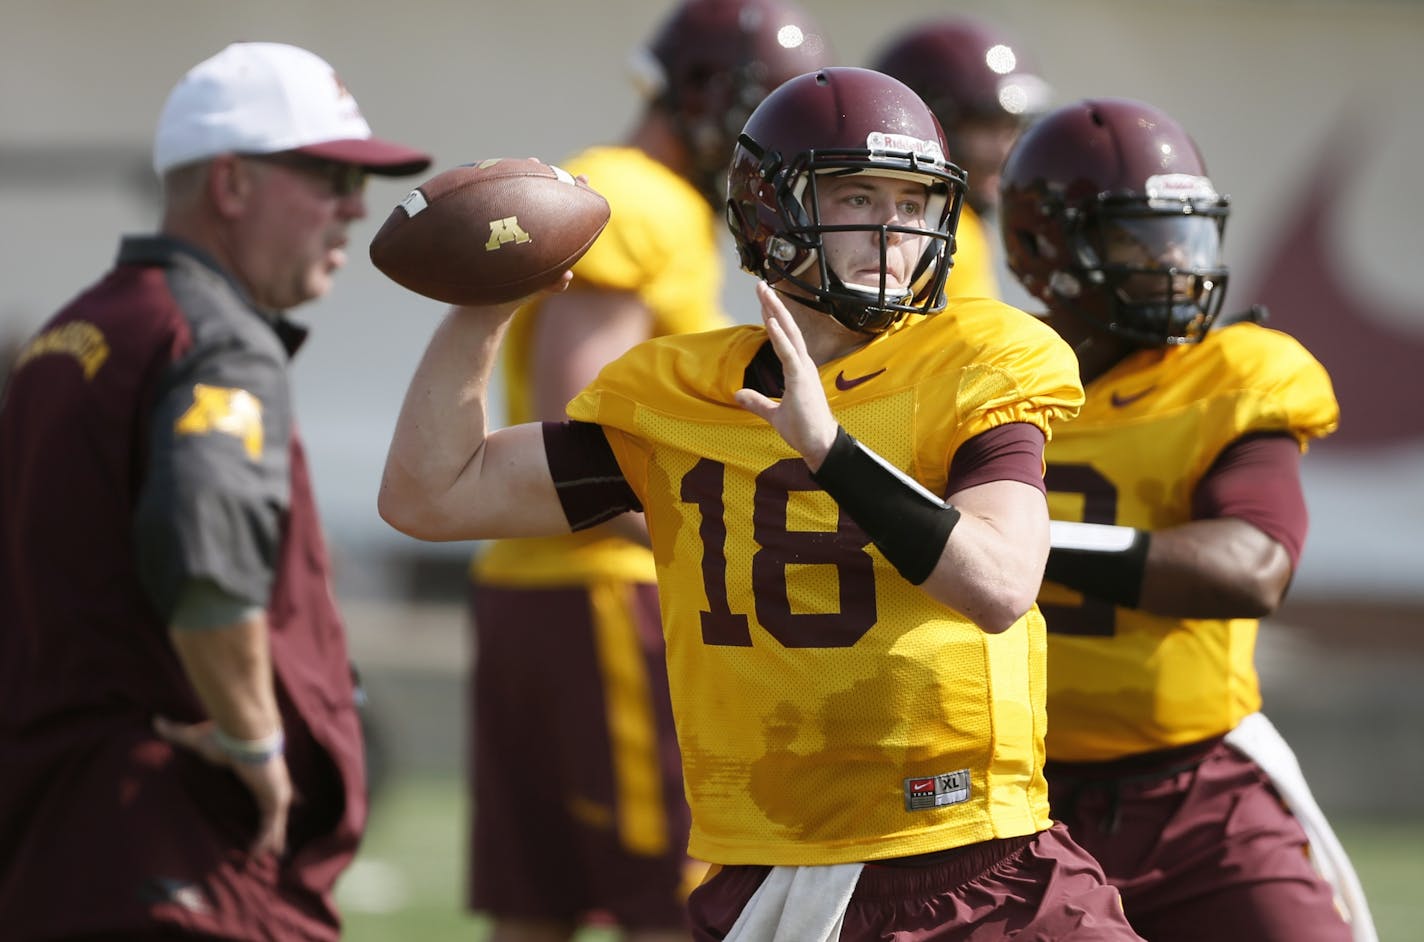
x,y
180,754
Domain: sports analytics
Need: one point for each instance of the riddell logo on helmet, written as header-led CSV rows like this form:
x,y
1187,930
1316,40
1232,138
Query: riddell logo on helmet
x,y
878,142
1179,186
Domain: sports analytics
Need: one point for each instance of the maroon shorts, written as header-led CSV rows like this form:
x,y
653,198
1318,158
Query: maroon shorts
x,y
1200,845
1041,887
126,836
573,820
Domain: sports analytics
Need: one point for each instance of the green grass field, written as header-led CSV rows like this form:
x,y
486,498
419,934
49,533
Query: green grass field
x,y
407,882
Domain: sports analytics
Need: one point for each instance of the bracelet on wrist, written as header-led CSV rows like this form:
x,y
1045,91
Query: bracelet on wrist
x,y
251,751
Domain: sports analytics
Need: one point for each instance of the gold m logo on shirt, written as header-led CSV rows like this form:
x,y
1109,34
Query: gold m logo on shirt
x,y
234,412
505,230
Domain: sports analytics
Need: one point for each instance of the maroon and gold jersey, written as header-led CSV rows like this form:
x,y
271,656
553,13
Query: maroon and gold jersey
x,y
1122,681
660,243
829,711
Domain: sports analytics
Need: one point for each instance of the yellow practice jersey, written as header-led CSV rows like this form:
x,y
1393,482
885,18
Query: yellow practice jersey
x,y
973,273
1122,681
660,243
828,710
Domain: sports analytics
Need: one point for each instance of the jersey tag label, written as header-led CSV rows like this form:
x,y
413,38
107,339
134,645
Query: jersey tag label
x,y
936,791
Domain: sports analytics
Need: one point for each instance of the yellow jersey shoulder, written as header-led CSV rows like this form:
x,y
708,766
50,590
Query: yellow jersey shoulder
x,y
1011,363
676,373
660,241
1267,372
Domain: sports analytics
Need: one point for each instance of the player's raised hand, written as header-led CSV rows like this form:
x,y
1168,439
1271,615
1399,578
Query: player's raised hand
x,y
802,416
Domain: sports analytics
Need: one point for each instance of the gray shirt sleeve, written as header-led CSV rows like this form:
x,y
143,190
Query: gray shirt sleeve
x,y
216,484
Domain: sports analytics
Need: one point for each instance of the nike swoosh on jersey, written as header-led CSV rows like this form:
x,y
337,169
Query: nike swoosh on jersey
x,y
843,384
1122,401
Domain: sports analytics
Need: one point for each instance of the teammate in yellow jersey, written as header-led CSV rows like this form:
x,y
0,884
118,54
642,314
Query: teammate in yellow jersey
x,y
1178,521
982,87
856,665
576,788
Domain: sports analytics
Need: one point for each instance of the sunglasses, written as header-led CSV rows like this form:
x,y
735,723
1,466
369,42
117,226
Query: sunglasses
x,y
340,179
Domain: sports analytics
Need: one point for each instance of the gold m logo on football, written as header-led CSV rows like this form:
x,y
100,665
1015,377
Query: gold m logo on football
x,y
234,412
506,230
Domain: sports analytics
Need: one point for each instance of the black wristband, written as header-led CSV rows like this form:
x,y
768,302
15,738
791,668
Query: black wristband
x,y
1111,573
907,523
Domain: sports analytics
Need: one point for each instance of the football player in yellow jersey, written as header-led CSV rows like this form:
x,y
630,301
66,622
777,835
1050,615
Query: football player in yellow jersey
x,y
982,87
846,512
1179,519
578,806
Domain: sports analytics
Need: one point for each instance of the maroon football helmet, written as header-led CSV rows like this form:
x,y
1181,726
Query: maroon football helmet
x,y
712,61
840,121
1108,215
979,83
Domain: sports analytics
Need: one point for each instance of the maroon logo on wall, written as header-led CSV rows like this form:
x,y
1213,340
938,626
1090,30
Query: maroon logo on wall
x,y
1376,368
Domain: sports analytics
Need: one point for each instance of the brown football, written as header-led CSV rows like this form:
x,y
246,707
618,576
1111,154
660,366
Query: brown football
x,y
489,232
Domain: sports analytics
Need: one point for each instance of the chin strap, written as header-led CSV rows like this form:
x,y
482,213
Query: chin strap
x,y
863,319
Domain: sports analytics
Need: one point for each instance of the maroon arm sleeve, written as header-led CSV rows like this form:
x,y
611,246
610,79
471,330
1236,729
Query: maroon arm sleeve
x,y
586,475
1257,479
1012,452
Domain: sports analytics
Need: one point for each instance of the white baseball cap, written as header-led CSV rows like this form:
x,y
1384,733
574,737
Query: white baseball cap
x,y
261,98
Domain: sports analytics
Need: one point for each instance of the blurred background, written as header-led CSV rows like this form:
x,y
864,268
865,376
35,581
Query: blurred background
x,y
1310,114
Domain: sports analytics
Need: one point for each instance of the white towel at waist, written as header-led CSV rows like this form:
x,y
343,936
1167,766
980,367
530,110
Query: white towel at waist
x,y
798,904
1257,739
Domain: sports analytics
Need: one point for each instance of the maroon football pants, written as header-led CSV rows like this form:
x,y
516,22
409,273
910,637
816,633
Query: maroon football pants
x,y
1040,888
1201,849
